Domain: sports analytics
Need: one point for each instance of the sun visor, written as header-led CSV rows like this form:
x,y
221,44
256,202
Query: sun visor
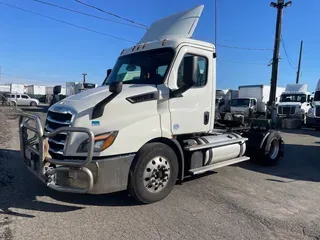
x,y
180,25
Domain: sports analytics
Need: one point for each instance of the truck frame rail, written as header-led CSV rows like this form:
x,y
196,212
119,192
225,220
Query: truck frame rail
x,y
46,168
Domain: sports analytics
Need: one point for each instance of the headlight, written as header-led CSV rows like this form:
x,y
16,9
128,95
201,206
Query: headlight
x,y
310,112
101,142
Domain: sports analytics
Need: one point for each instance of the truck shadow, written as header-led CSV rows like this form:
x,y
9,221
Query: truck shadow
x,y
20,189
300,163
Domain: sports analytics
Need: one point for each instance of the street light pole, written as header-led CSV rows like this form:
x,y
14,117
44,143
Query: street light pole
x,y
275,62
84,77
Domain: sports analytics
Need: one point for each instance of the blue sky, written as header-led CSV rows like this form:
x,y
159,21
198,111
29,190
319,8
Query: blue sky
x,y
43,51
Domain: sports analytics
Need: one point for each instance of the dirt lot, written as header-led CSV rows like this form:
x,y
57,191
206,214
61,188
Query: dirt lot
x,y
237,202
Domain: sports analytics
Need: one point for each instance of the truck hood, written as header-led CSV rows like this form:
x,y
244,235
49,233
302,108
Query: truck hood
x,y
297,104
89,98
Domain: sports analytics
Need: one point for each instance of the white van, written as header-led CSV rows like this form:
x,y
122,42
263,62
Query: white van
x,y
22,100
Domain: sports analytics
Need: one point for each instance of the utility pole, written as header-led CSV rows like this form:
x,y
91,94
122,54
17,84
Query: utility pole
x,y
299,64
215,23
275,62
84,77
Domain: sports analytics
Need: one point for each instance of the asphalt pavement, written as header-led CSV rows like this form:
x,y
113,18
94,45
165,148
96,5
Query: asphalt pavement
x,y
243,201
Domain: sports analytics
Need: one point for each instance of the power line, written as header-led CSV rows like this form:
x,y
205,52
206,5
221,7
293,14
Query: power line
x,y
70,24
285,51
101,10
243,48
240,62
87,14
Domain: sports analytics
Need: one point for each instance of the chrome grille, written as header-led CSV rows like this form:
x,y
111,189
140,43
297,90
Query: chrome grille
x,y
286,110
317,111
61,117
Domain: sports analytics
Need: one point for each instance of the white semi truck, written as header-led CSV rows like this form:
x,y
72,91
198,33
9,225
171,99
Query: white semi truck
x,y
294,102
313,114
149,131
252,101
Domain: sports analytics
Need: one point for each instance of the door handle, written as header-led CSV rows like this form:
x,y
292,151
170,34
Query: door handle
x,y
206,118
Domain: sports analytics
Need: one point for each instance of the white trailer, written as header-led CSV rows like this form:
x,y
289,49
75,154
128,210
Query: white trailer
x,y
17,88
36,89
145,133
4,88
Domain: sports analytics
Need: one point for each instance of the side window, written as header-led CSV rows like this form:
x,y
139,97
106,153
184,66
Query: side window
x,y
18,96
202,72
24,96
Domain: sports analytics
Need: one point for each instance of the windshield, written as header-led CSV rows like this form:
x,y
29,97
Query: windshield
x,y
293,98
240,102
316,96
148,67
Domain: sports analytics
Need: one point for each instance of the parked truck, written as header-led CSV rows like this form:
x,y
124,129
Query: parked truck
x,y
294,102
223,102
252,101
36,90
313,115
144,133
73,88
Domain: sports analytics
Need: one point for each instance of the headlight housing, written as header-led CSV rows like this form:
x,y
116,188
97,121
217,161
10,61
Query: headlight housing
x,y
101,142
311,112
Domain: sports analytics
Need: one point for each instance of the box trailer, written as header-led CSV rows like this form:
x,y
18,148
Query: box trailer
x,y
17,88
36,89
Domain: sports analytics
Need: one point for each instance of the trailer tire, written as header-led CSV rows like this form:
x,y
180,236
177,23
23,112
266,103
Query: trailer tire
x,y
271,150
153,173
217,116
228,116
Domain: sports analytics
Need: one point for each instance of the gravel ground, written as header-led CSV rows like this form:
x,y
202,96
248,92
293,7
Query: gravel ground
x,y
238,202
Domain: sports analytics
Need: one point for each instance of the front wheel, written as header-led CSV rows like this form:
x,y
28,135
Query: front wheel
x,y
33,104
153,173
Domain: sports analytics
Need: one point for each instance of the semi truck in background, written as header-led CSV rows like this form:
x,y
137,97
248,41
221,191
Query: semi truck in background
x,y
313,114
73,88
144,133
252,102
223,102
294,102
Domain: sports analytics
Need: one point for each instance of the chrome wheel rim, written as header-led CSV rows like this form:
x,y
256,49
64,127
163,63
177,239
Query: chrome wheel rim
x,y
274,148
156,174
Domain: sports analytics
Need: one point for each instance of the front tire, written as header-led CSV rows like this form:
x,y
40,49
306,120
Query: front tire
x,y
33,104
153,173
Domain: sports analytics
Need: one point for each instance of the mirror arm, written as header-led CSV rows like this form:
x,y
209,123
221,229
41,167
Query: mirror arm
x,y
178,92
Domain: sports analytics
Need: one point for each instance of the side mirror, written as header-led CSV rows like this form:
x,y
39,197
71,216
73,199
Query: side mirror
x,y
108,72
190,71
190,74
115,87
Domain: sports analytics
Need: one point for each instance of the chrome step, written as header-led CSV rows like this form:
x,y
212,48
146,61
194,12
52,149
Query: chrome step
x,y
214,145
218,165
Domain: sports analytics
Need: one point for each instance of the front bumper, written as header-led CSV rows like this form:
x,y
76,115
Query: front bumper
x,y
93,176
313,122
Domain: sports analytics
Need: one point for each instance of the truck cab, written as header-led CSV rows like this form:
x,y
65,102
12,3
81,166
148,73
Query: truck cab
x,y
313,115
244,106
150,124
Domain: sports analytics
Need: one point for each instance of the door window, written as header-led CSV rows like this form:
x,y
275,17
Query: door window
x,y
24,97
202,72
18,96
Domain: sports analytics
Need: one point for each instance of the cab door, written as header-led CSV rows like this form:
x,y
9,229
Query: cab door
x,y
192,112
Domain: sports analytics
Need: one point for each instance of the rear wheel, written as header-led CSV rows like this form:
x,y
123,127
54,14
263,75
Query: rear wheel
x,y
228,117
271,149
153,173
217,116
33,104
13,104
